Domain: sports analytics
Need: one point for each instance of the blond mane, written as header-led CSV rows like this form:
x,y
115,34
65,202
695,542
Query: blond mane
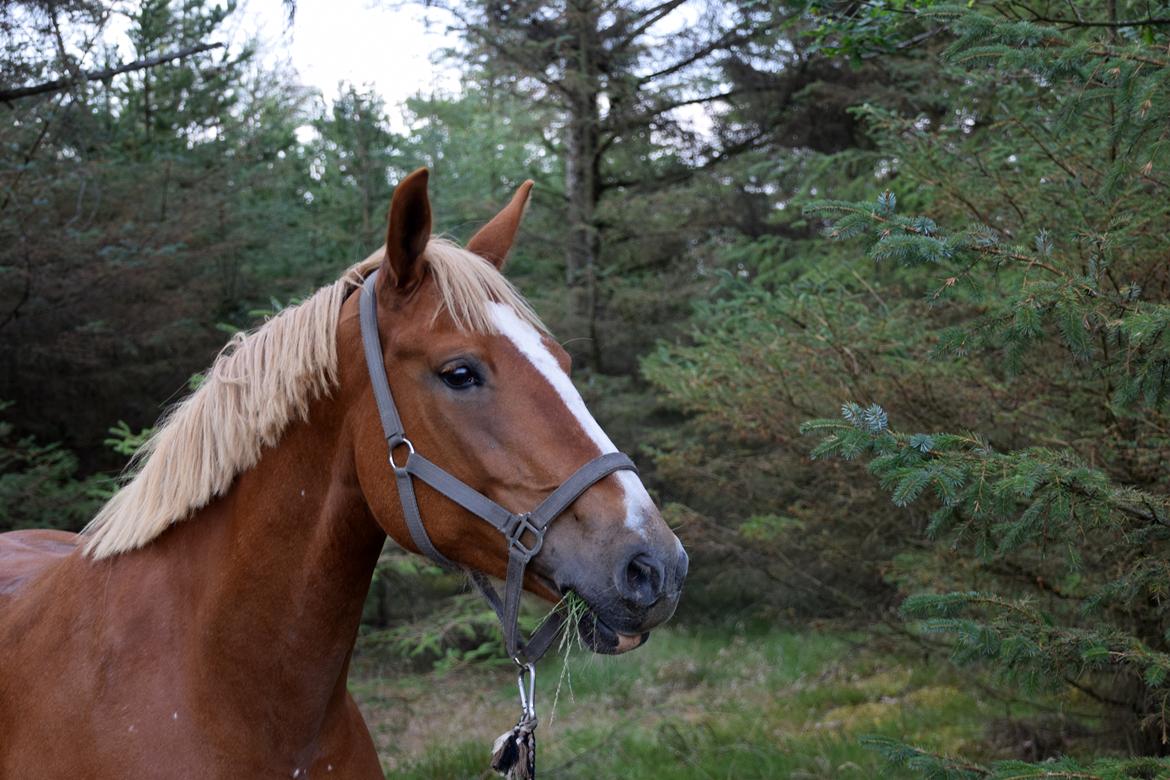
x,y
262,382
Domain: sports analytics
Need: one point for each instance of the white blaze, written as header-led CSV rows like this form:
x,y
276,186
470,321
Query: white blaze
x,y
531,345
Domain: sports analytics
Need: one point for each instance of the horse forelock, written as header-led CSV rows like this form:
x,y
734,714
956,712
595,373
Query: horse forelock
x,y
260,383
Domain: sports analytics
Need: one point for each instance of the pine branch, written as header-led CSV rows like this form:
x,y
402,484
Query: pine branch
x,y
1121,55
1147,22
16,93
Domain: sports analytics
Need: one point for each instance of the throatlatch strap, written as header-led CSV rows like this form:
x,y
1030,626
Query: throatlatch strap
x,y
523,532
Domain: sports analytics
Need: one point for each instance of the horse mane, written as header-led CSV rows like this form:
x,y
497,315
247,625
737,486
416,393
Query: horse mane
x,y
260,383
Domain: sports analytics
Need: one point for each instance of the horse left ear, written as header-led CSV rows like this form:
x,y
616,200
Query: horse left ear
x,y
494,240
409,230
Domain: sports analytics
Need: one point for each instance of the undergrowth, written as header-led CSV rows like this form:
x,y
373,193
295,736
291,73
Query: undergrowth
x,y
711,703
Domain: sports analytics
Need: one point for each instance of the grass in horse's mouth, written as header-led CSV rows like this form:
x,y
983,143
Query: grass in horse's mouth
x,y
571,604
575,608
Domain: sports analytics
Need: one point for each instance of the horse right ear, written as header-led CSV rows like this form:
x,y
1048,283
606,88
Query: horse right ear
x,y
408,232
494,240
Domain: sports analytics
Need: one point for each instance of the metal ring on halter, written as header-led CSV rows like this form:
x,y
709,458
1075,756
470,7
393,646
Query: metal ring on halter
x,y
527,698
409,451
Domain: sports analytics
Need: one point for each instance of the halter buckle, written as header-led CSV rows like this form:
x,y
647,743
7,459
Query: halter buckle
x,y
518,525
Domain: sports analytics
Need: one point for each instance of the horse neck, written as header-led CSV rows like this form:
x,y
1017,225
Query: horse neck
x,y
284,561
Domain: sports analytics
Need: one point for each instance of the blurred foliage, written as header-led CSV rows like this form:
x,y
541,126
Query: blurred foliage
x,y
421,617
39,484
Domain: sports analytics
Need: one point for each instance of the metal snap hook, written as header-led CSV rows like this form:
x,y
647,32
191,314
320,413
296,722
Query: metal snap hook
x,y
527,692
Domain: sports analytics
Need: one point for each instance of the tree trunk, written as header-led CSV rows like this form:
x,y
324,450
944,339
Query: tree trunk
x,y
582,135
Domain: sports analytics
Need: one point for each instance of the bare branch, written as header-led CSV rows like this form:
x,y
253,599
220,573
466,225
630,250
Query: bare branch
x,y
649,19
730,38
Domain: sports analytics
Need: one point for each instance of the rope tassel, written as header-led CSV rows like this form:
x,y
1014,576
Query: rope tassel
x,y
514,752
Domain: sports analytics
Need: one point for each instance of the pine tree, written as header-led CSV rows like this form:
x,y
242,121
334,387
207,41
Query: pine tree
x,y
135,212
615,76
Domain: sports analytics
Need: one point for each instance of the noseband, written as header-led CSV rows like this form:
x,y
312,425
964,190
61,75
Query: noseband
x,y
524,532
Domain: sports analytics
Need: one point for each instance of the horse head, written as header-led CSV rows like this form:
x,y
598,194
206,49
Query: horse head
x,y
484,393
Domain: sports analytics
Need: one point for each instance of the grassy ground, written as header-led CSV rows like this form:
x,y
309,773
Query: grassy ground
x,y
690,704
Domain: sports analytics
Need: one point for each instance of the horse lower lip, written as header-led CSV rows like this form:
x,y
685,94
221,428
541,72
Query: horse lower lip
x,y
630,641
601,637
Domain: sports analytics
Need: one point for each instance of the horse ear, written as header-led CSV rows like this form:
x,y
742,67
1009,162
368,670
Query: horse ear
x,y
409,230
494,240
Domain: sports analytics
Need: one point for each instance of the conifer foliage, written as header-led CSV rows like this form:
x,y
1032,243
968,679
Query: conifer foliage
x,y
1046,258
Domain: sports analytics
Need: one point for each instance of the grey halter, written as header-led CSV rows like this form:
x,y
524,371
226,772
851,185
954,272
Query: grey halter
x,y
524,532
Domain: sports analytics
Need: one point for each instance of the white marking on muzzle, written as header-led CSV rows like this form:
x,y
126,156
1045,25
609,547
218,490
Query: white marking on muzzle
x,y
526,339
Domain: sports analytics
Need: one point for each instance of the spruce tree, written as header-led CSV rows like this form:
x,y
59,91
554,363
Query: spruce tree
x,y
984,333
1049,264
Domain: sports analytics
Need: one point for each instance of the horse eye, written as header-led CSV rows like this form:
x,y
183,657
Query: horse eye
x,y
460,377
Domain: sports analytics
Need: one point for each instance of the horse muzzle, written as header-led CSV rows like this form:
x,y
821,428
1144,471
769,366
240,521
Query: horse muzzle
x,y
644,593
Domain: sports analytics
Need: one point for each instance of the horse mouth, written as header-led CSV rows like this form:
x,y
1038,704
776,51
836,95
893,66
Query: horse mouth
x,y
595,633
602,638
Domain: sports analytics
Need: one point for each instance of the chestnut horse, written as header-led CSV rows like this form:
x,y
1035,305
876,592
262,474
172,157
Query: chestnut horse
x,y
202,625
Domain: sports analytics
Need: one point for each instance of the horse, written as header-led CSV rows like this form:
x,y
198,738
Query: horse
x,y
202,625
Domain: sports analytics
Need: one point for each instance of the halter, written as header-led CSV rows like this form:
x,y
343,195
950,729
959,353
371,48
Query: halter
x,y
524,532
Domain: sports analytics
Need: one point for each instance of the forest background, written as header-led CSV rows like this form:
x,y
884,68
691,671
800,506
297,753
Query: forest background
x,y
877,294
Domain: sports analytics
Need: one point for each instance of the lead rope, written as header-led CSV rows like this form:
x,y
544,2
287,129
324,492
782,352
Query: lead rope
x,y
514,752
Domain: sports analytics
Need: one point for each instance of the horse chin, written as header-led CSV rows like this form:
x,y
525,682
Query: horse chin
x,y
601,638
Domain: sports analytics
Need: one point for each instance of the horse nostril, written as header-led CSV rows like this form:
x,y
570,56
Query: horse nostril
x,y
642,580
